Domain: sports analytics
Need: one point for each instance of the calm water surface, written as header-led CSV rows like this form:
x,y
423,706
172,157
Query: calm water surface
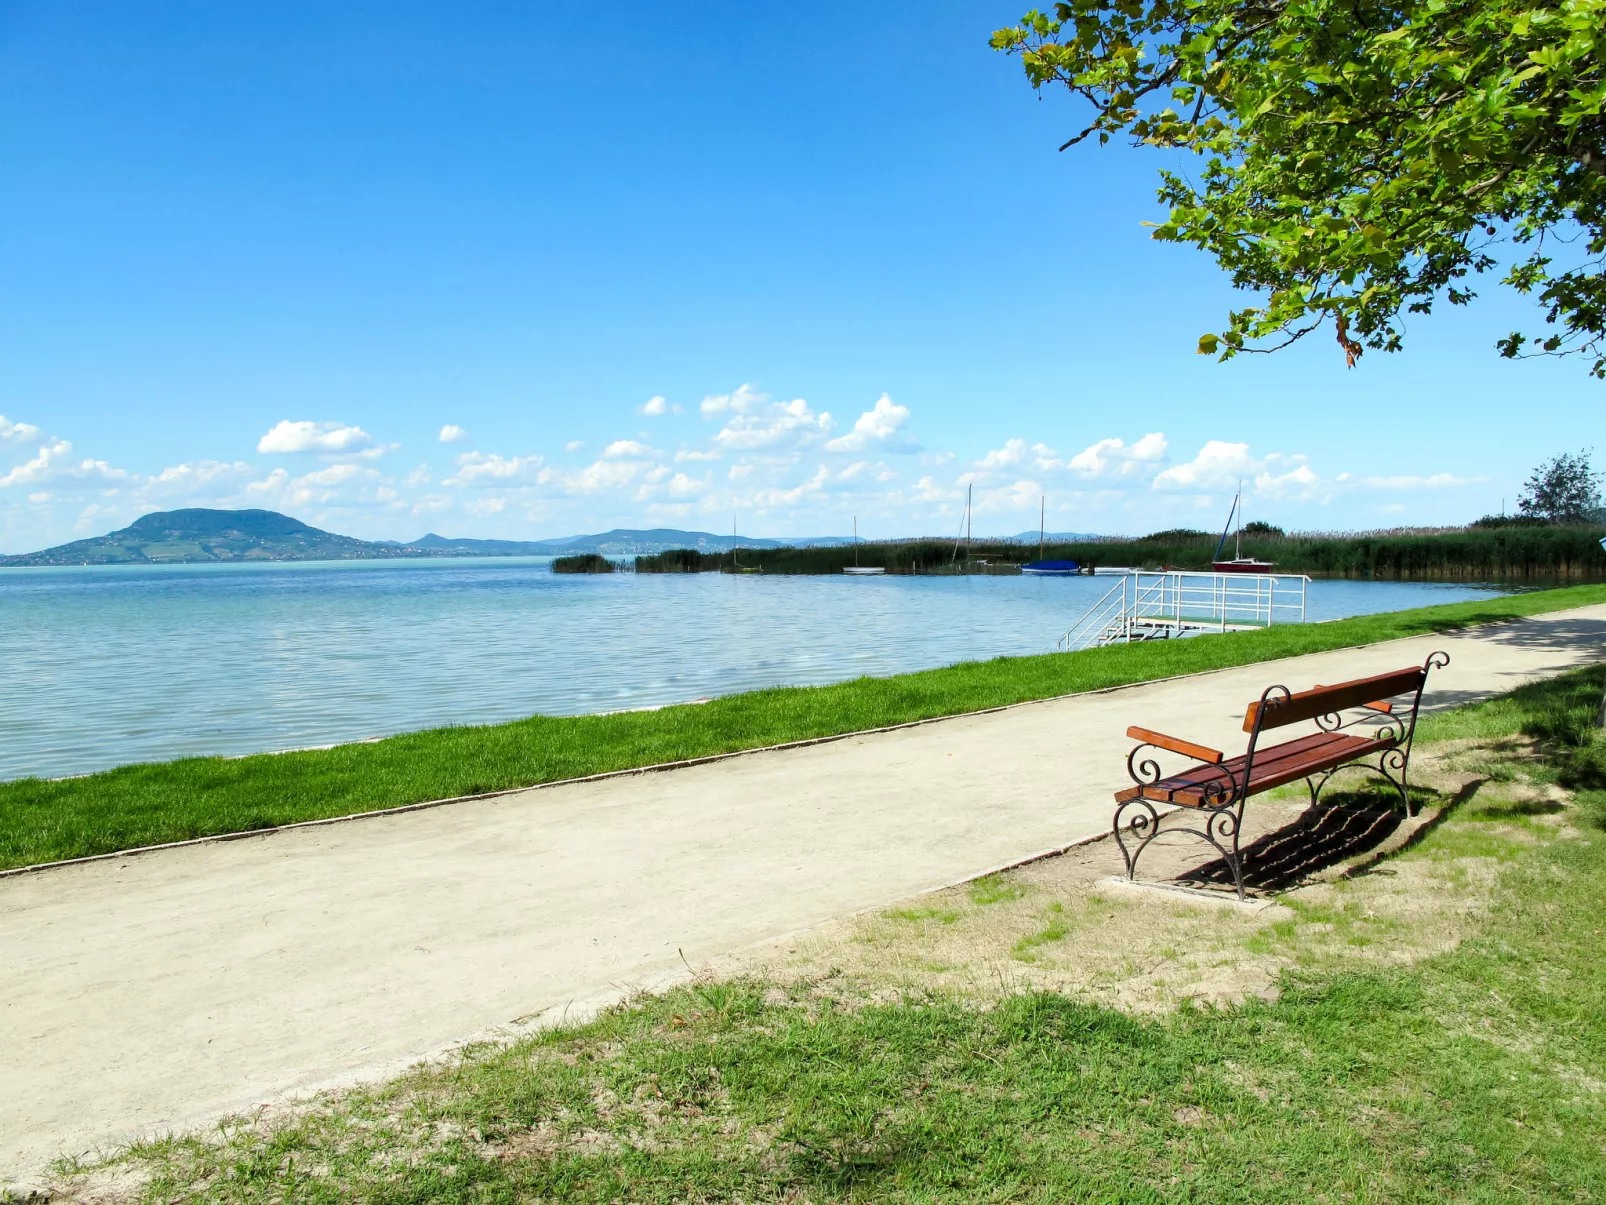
x,y
140,663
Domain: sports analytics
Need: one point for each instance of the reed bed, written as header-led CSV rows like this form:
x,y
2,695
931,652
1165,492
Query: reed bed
x,y
1515,553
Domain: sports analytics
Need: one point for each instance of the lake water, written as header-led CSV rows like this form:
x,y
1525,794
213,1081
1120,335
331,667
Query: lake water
x,y
104,666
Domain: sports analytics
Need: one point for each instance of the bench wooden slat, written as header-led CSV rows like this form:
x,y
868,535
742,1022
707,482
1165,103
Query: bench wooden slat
x,y
1308,704
1381,705
1273,767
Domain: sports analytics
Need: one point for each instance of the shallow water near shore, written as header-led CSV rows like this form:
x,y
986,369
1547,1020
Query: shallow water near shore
x,y
106,666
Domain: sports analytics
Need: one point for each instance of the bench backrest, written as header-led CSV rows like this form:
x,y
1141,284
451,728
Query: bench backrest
x,y
1324,700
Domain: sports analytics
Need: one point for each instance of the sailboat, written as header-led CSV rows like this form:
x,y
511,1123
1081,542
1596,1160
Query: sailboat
x,y
1239,562
1040,567
855,569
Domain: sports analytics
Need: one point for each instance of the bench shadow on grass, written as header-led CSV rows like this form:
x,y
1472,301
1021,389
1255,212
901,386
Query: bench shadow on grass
x,y
1345,826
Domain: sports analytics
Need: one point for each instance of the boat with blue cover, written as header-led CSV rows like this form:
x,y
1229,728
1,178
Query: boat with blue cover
x,y
1052,568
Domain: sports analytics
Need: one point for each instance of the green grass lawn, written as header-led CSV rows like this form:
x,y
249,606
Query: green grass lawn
x,y
148,804
1478,1075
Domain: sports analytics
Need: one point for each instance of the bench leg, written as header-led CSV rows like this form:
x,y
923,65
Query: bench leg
x,y
1141,827
1398,761
1221,830
1134,832
1391,766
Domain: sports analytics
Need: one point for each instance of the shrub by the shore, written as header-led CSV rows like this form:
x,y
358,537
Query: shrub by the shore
x,y
584,562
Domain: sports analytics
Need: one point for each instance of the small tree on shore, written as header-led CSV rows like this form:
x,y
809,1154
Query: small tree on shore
x,y
1563,490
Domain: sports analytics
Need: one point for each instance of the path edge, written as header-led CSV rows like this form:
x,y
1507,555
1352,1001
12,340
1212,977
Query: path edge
x,y
686,763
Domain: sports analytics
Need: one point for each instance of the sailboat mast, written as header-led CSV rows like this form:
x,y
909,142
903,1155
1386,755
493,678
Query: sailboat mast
x,y
855,541
1042,523
1238,536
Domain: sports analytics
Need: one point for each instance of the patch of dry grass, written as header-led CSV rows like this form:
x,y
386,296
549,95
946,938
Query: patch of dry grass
x,y
1054,926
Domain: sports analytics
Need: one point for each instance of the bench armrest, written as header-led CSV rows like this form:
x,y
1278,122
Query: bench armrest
x,y
1176,745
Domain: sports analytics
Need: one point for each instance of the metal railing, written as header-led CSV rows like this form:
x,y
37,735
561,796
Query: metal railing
x,y
1109,612
1158,605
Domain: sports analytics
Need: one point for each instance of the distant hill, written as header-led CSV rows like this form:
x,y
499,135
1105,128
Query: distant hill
x,y
618,542
198,536
469,547
622,540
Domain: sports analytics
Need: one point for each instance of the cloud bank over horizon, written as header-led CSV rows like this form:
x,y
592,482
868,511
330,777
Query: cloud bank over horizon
x,y
780,467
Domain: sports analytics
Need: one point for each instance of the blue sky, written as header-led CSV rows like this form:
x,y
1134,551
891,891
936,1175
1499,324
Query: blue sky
x,y
402,267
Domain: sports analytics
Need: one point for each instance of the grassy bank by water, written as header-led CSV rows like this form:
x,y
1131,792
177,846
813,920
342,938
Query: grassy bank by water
x,y
148,804
1475,1074
1535,553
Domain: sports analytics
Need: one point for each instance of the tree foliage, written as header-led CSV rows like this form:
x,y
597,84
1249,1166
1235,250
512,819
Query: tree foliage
x,y
1563,490
1363,159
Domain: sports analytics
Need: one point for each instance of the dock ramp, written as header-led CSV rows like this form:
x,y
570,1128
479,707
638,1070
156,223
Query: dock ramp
x,y
1166,604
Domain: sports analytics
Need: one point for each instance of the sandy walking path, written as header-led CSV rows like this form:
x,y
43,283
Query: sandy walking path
x,y
161,991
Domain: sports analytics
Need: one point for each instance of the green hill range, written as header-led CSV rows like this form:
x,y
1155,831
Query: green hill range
x,y
197,535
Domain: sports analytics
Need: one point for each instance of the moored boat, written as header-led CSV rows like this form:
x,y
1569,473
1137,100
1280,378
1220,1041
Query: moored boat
x,y
855,569
1052,569
1239,563
1245,564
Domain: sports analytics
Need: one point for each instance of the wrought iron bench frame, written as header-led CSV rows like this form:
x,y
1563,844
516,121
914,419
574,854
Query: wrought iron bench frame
x,y
1217,788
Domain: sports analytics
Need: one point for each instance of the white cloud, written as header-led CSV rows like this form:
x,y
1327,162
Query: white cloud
x,y
1221,465
765,498
487,506
40,468
478,468
1299,481
451,433
689,454
1110,457
656,405
335,474
1012,453
772,424
1218,466
92,516
742,400
878,427
273,483
1151,447
50,463
622,448
21,432
203,479
599,476
290,436
574,445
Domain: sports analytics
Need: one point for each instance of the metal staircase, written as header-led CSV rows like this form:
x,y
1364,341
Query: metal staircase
x,y
1163,605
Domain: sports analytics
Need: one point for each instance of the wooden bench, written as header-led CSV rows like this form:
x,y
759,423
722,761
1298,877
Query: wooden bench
x,y
1368,723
